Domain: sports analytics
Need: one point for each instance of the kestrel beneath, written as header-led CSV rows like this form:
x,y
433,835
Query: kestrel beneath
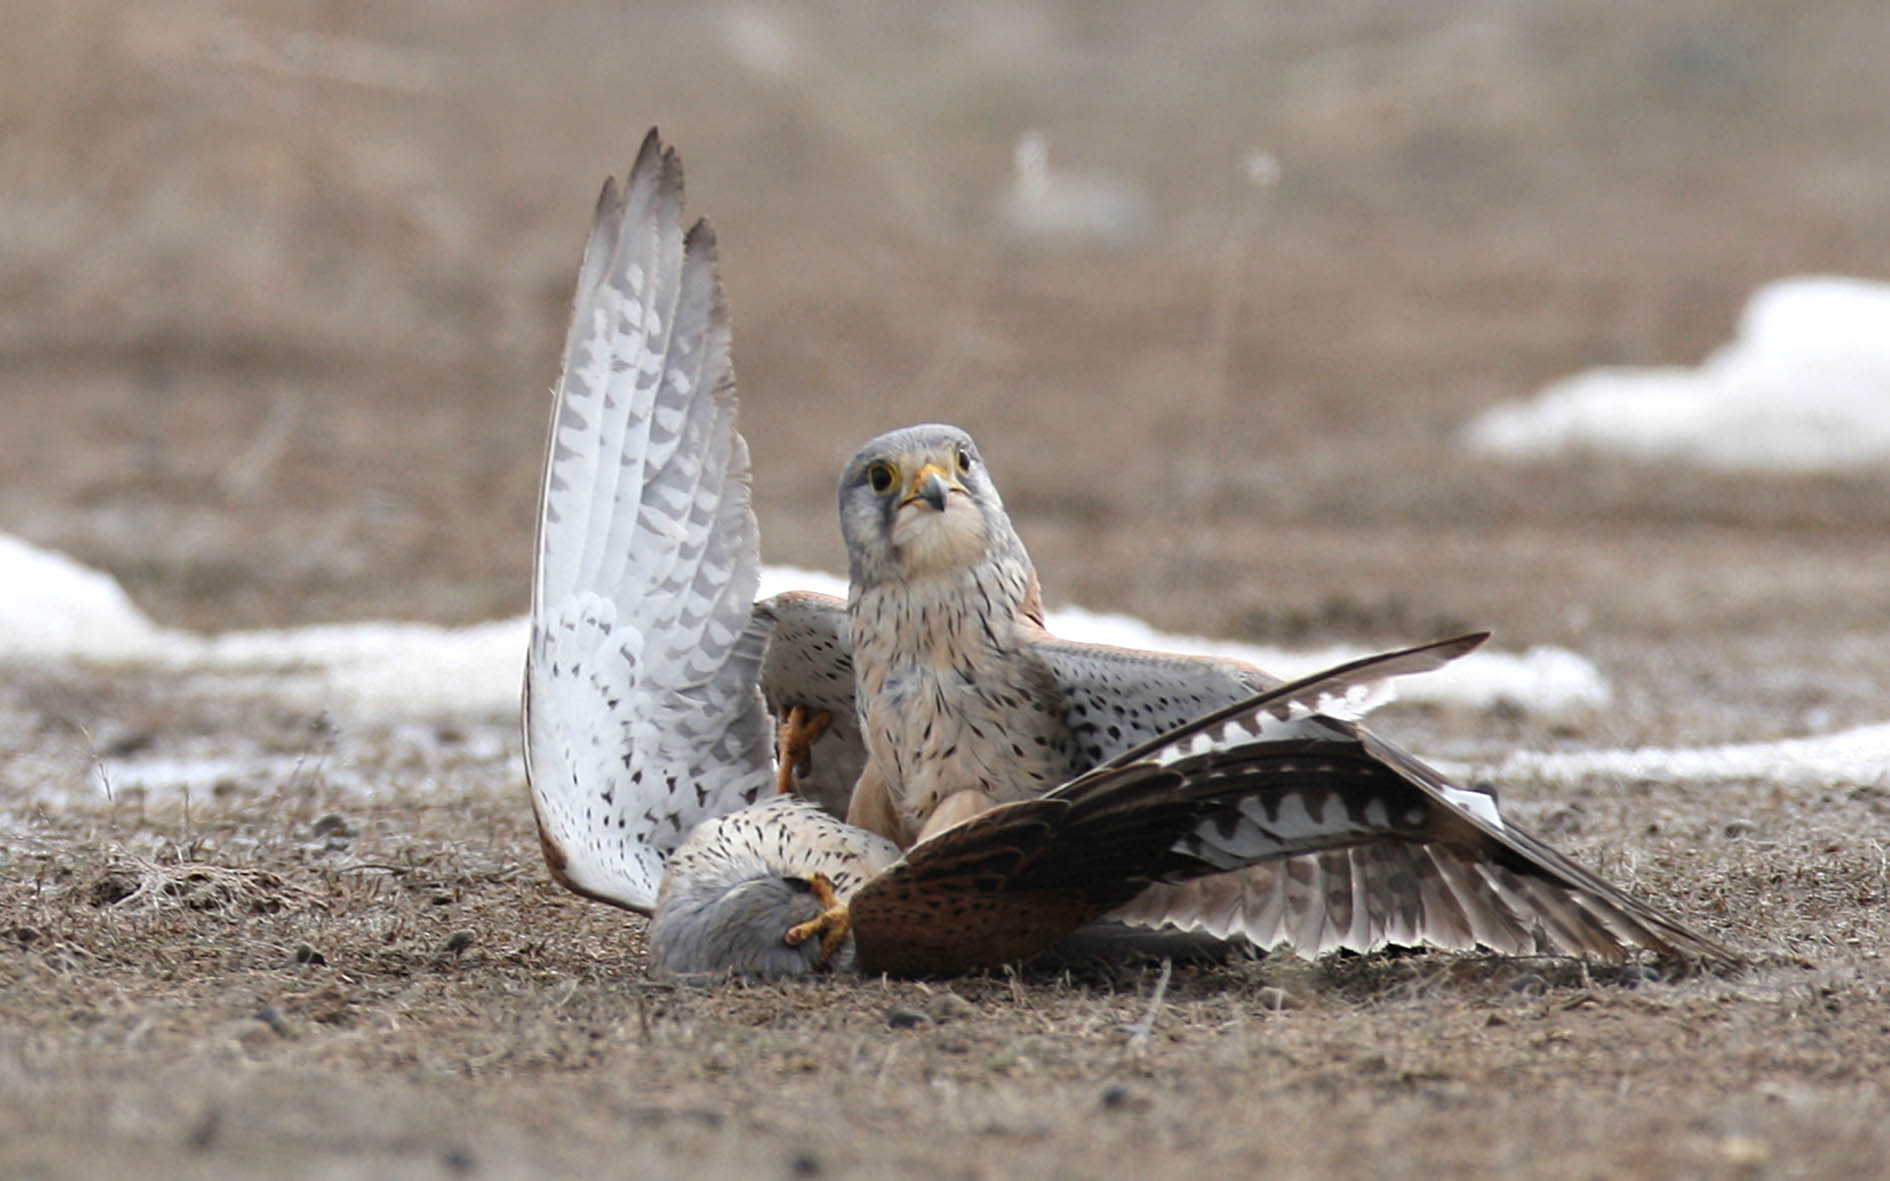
x,y
1032,783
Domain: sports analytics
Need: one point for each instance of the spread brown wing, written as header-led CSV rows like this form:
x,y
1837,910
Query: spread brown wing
x,y
1013,880
1461,883
1270,789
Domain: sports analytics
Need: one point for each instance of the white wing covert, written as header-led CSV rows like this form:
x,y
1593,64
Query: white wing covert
x,y
1115,699
643,714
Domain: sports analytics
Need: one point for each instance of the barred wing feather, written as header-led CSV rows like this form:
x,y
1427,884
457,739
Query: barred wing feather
x,y
1008,882
1268,819
643,714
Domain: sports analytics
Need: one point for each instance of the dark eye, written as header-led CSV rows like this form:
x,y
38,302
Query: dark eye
x,y
964,460
880,476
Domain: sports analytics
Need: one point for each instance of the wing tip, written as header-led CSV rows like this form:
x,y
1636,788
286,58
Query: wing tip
x,y
1461,645
650,147
1693,952
558,863
658,161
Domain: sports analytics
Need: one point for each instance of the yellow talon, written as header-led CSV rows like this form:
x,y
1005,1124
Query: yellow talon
x,y
794,744
831,924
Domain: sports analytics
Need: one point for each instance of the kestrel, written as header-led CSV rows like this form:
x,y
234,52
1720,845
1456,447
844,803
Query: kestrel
x,y
1003,786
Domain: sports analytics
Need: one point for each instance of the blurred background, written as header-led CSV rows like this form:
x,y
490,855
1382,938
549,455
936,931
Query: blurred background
x,y
282,288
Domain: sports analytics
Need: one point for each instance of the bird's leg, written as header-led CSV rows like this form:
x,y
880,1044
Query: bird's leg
x,y
871,808
956,807
832,924
794,745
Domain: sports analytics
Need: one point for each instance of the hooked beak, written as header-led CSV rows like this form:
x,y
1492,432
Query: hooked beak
x,y
930,484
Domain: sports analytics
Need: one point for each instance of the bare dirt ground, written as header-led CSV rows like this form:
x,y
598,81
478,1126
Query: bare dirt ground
x,y
281,286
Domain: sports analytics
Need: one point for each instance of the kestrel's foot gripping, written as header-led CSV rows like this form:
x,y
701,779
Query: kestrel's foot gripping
x,y
832,924
794,745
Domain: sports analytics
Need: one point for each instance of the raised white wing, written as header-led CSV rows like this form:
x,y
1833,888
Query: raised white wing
x,y
643,713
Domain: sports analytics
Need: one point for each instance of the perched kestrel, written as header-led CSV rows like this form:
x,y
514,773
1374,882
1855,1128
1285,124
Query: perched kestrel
x,y
1032,783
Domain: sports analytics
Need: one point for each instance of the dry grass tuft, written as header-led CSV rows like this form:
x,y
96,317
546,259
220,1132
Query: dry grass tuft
x,y
132,882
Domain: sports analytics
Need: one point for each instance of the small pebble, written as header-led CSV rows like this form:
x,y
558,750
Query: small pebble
x,y
111,889
1508,709
948,1006
269,1015
1114,1097
203,1133
1744,1152
906,1019
305,953
804,1164
456,1159
253,1035
457,942
333,825
330,1006
1529,984
1563,822
130,744
1635,975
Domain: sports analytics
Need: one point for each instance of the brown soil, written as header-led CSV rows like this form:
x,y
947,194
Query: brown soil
x,y
280,294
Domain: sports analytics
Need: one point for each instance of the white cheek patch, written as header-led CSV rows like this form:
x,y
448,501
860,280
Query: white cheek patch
x,y
930,541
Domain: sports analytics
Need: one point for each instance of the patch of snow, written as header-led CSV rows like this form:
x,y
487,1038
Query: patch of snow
x,y
355,765
1804,387
53,607
1542,679
181,778
385,670
1850,757
775,579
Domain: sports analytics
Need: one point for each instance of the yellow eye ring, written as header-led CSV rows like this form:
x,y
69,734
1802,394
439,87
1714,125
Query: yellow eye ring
x,y
882,477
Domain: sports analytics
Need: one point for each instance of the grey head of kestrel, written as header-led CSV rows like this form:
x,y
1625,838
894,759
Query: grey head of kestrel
x,y
917,503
